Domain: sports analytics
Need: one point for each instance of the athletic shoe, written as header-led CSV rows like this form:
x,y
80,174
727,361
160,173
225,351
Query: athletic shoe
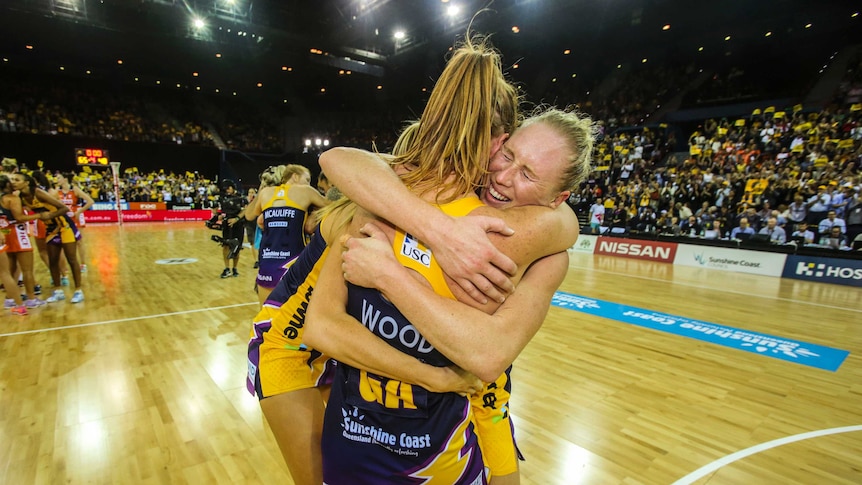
x,y
56,296
225,273
64,281
77,297
34,303
37,289
235,273
83,268
9,303
19,310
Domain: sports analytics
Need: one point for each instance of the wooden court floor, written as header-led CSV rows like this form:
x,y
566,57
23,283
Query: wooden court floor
x,y
143,382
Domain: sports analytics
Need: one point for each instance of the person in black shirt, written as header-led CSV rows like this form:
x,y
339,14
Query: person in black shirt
x,y
232,206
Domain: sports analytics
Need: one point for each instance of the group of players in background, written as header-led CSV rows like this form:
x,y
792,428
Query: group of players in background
x,y
46,214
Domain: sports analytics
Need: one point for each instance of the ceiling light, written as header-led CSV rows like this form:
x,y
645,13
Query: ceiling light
x,y
399,34
666,27
567,52
195,74
727,38
768,34
260,85
643,61
452,10
198,23
218,54
807,26
700,49
119,61
515,29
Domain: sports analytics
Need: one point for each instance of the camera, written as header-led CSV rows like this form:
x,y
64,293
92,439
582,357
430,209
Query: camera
x,y
214,223
233,244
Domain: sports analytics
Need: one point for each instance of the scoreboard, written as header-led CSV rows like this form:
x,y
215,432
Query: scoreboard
x,y
92,156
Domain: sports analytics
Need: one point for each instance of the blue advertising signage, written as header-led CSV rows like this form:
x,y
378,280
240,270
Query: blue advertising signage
x,y
790,350
824,270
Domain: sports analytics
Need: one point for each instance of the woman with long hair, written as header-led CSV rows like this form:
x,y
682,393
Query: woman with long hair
x,y
79,202
13,222
61,234
429,434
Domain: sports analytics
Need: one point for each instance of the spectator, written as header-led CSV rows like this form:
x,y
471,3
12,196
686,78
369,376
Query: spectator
x,y
597,215
803,232
776,234
826,225
715,232
818,205
834,239
854,217
743,228
691,227
798,210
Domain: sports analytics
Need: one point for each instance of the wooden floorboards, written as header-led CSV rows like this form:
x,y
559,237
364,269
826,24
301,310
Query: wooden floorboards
x,y
143,382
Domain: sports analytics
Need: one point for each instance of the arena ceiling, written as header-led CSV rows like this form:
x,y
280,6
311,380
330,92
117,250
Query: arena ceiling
x,y
300,50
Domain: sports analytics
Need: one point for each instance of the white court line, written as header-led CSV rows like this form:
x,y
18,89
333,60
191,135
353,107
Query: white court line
x,y
706,470
712,288
131,319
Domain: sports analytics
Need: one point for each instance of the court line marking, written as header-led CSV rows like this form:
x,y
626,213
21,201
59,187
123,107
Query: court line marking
x,y
721,462
710,288
130,319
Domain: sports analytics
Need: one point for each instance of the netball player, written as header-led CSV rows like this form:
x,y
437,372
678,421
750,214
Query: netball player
x,y
483,344
17,240
366,409
284,208
79,202
61,234
291,403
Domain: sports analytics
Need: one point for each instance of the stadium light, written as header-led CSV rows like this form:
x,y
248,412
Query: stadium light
x,y
452,10
399,34
199,23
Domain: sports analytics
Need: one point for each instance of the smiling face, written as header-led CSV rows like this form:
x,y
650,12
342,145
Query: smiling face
x,y
527,169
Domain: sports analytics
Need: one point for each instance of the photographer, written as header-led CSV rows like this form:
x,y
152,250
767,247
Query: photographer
x,y
232,216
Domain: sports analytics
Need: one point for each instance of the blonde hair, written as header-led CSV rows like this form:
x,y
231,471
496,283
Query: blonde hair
x,y
291,170
405,139
470,103
271,176
579,131
9,165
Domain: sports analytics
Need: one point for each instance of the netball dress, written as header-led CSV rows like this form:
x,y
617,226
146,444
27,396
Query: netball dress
x,y
380,429
283,237
278,361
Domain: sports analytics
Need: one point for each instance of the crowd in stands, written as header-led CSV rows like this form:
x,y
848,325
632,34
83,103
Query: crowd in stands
x,y
736,173
766,173
190,190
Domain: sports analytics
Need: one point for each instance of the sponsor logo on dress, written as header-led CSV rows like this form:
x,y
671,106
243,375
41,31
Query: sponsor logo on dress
x,y
413,250
400,443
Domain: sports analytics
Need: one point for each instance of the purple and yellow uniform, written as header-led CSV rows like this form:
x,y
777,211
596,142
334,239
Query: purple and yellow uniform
x,y
379,428
60,229
278,362
283,237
